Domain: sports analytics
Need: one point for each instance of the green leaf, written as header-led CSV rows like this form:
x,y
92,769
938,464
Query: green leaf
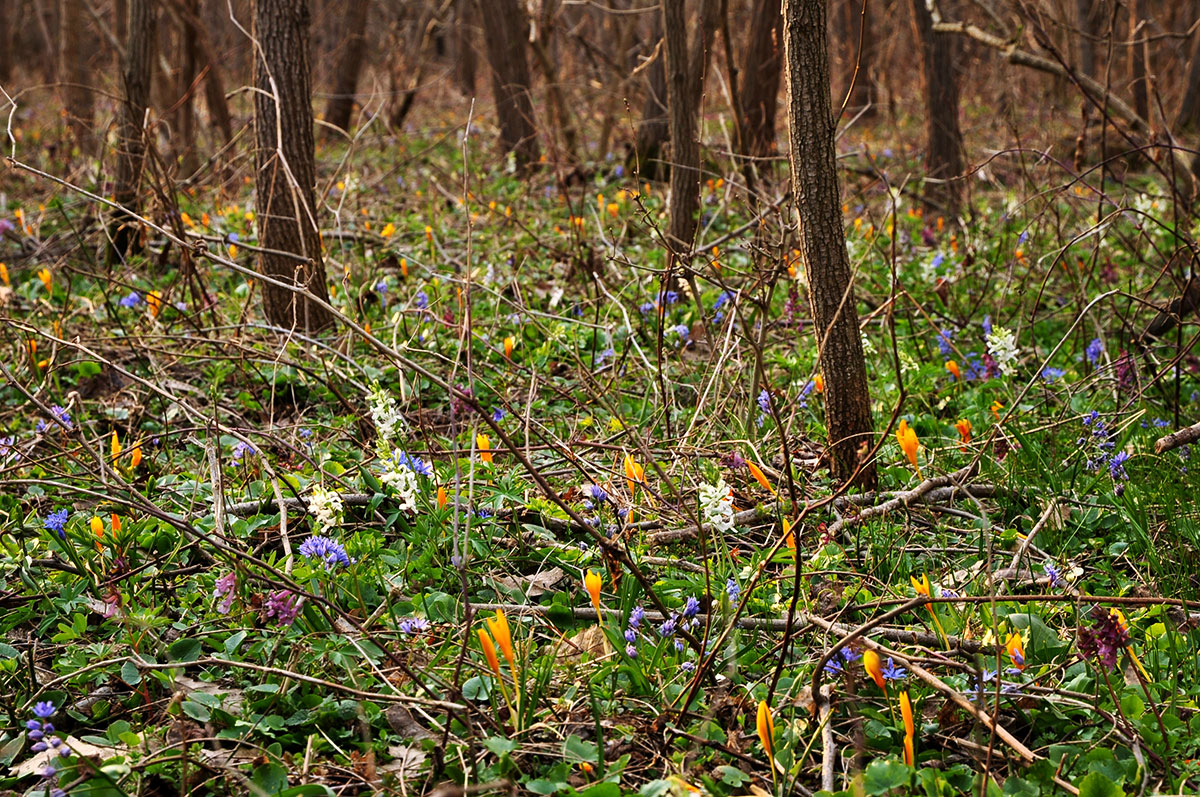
x,y
271,778
8,651
884,775
130,673
1019,787
11,749
184,650
499,745
577,750
545,786
234,641
732,776
477,688
196,711
1097,784
307,790
603,789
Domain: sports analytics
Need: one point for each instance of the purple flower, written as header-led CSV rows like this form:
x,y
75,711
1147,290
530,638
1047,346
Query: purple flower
x,y
691,608
498,415
987,325
56,522
1094,351
226,586
732,590
1053,573
1105,639
630,635
382,287
1116,466
682,331
631,651
132,300
596,492
422,300
667,629
327,550
688,666
62,416
764,401
414,625
415,464
834,667
283,606
635,617
44,710
242,450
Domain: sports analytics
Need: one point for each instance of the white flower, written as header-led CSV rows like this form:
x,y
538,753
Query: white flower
x,y
1002,345
717,505
385,413
402,481
326,507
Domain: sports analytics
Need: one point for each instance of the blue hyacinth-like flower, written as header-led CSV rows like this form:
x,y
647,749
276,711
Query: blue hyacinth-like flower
x,y
635,616
1094,351
132,300
327,550
893,673
691,608
56,522
732,590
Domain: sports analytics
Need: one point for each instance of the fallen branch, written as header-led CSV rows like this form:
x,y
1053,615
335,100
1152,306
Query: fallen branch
x,y
1183,437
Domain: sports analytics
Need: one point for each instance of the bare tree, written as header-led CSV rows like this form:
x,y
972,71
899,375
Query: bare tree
x,y
464,46
943,135
1138,56
685,81
543,46
285,166
351,50
6,38
858,42
76,46
653,130
506,31
140,35
811,129
759,93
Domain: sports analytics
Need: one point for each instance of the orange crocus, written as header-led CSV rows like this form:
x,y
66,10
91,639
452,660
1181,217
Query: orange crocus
x,y
907,437
115,445
484,443
4,274
154,299
508,346
46,278
116,524
1015,646
952,367
634,473
441,498
759,476
909,730
964,432
819,383
97,526
135,456
996,407
498,625
766,728
788,536
874,668
592,583
489,651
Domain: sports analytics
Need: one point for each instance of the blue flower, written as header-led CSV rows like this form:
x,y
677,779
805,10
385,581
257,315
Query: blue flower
x,y
631,651
944,339
45,709
630,635
596,492
635,616
382,286
1116,466
850,655
667,628
1051,375
132,300
764,401
1053,574
1024,237
422,300
732,590
1094,351
691,608
56,522
682,331
722,299
402,459
498,415
242,450
987,325
833,667
63,417
892,672
327,550
687,666
671,297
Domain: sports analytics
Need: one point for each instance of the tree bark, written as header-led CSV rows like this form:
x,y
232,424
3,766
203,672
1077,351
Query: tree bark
x,y
76,46
352,48
141,33
811,130
943,135
6,40
760,79
464,46
506,31
285,166
185,106
1138,55
1187,119
685,80
654,130
543,52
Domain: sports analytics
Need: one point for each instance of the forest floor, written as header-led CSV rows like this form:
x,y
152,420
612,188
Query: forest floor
x,y
524,425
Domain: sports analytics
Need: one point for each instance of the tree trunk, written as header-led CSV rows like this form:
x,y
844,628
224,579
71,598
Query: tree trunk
x,y
1187,120
196,31
760,80
352,48
506,32
943,136
6,41
76,47
141,33
464,46
185,110
654,130
284,162
1085,18
1138,66
685,80
811,130
543,52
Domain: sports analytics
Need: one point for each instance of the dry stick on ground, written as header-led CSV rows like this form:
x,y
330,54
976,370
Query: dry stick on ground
x,y
1183,437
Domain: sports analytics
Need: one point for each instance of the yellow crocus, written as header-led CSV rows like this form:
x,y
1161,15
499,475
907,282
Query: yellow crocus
x,y
498,625
47,279
766,729
907,437
489,651
874,667
115,445
634,473
909,730
509,343
484,444
97,526
4,274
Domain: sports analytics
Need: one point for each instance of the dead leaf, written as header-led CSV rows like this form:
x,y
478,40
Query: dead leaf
x,y
404,723
406,761
534,585
591,642
78,747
